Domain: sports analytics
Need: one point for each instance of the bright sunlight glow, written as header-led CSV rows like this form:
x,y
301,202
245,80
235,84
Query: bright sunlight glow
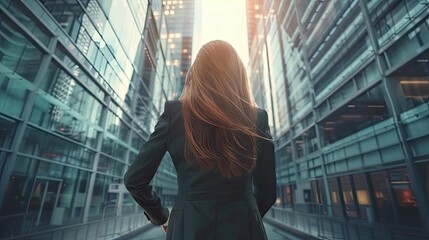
x,y
224,20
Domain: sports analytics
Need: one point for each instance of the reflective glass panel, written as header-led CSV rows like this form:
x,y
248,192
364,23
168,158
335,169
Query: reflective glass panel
x,y
7,131
42,194
27,19
67,13
17,53
103,203
383,199
406,204
348,197
335,198
362,195
110,166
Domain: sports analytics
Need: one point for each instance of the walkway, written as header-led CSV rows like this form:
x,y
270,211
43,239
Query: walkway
x,y
273,233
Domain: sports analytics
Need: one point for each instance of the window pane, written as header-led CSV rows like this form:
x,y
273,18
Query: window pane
x,y
336,205
358,114
405,200
348,197
17,53
103,202
362,195
7,131
29,21
382,197
37,188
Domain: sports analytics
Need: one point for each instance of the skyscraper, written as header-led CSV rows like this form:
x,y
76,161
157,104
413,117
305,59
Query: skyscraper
x,y
349,101
180,21
82,84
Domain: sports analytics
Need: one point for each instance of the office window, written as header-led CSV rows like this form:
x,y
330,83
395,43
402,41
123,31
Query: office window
x,y
415,90
59,119
335,198
390,18
103,203
281,156
406,205
136,140
310,140
314,190
110,166
67,13
113,148
362,195
29,21
289,198
116,126
321,189
318,190
348,197
299,145
7,131
289,157
402,49
360,113
54,72
17,53
383,198
46,193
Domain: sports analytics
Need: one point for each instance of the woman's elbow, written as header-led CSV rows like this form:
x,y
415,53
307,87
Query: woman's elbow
x,y
128,182
134,183
273,199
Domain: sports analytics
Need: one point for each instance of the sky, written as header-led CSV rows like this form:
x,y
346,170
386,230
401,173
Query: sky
x,y
224,20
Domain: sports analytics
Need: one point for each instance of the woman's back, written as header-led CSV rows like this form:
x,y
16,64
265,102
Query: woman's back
x,y
222,149
210,206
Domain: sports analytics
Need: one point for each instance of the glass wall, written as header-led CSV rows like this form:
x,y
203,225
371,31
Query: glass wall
x,y
277,75
79,94
394,197
394,200
42,193
355,75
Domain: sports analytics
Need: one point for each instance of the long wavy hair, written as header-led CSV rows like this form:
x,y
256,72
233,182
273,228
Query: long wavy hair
x,y
219,112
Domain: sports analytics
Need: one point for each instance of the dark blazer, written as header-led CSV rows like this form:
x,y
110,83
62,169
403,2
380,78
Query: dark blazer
x,y
208,206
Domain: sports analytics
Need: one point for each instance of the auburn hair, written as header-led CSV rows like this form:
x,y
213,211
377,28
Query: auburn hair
x,y
219,112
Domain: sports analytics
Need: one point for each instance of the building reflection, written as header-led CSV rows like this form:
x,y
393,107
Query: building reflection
x,y
82,84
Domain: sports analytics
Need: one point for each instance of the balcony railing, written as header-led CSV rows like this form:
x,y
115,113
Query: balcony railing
x,y
326,227
109,227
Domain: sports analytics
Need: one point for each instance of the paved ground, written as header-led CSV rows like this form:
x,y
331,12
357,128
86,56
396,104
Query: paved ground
x,y
273,233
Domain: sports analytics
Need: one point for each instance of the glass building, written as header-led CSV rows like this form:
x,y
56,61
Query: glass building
x,y
82,83
346,86
180,21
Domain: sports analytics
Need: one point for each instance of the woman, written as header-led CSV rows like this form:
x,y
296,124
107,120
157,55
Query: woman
x,y
222,149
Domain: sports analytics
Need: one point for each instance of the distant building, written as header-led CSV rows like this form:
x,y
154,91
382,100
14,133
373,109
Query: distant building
x,y
180,22
346,85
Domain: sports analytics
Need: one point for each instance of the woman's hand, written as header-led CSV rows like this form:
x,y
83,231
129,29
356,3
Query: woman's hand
x,y
164,228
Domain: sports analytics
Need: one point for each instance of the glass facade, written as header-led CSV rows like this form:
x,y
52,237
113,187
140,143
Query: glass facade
x,y
349,85
79,94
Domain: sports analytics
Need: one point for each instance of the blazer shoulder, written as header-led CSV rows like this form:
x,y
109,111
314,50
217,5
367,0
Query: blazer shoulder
x,y
173,103
262,116
174,106
261,111
262,123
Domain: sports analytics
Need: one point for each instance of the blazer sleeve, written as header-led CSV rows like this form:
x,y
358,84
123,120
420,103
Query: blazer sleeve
x,y
264,176
143,169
